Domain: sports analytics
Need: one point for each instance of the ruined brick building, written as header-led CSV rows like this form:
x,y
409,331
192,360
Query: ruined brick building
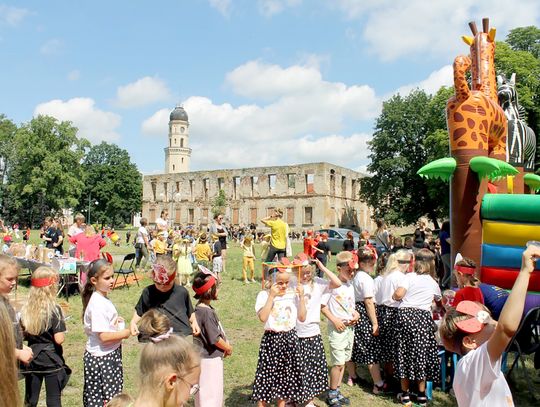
x,y
311,195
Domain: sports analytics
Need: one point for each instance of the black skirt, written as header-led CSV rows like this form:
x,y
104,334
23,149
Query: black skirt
x,y
314,368
279,370
366,348
386,316
416,352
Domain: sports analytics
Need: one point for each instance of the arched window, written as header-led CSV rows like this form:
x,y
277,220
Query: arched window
x,y
173,167
182,142
182,161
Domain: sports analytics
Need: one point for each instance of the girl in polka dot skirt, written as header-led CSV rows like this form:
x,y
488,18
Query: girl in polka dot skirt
x,y
279,368
103,372
314,368
416,346
366,348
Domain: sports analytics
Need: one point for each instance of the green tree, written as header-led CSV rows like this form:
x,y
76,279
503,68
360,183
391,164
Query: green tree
x,y
410,132
114,182
45,173
525,39
219,203
7,135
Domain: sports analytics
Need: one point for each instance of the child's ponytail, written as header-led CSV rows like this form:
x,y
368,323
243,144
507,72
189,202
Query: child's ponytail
x,y
95,269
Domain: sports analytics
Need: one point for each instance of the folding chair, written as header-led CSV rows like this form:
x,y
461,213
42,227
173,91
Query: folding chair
x,y
107,256
526,341
125,272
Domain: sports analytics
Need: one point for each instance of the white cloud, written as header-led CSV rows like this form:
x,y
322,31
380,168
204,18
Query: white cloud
x,y
12,15
142,92
438,78
268,8
94,124
52,47
157,124
223,6
74,75
432,28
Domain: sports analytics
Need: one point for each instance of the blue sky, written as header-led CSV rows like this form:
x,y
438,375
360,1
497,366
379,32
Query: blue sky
x,y
264,82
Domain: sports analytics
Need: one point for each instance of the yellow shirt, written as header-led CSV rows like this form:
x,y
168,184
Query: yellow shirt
x,y
202,251
159,246
278,233
248,250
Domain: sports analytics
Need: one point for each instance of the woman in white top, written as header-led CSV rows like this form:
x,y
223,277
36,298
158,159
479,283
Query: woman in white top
x,y
162,223
218,228
416,346
141,244
75,229
397,266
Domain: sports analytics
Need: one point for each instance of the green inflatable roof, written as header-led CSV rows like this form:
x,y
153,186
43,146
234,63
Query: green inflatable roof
x,y
442,168
511,207
532,181
491,168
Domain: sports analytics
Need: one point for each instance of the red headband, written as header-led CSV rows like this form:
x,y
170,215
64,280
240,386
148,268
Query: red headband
x,y
161,276
206,286
479,317
42,282
465,269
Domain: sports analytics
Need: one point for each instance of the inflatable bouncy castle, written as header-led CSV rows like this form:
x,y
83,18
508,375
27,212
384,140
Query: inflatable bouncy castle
x,y
490,168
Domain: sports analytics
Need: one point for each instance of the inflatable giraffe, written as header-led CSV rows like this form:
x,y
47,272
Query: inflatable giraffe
x,y
477,127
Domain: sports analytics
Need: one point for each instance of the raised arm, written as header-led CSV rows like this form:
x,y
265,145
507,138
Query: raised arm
x,y
334,280
513,308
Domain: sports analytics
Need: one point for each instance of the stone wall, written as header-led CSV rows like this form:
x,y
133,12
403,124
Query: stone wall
x,y
311,196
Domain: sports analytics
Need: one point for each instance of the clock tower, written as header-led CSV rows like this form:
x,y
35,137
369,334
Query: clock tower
x,y
177,153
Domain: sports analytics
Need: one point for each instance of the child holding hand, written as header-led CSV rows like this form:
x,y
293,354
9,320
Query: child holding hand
x,y
279,372
469,330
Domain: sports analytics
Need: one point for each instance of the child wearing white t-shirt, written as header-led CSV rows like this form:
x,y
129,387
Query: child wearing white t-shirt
x,y
416,347
339,309
366,348
103,371
314,369
279,373
469,330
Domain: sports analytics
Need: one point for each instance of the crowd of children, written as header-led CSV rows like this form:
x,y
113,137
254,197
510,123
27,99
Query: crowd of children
x,y
378,305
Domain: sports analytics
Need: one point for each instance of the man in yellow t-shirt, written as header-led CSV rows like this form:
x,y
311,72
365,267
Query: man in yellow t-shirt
x,y
278,233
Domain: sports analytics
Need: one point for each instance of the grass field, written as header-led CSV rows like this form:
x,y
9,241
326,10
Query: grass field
x,y
236,311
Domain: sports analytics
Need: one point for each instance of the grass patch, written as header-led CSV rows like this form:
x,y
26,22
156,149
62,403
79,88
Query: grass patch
x,y
237,313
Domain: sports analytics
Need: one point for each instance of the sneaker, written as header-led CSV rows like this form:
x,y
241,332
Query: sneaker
x,y
384,389
421,401
344,401
333,399
253,280
404,399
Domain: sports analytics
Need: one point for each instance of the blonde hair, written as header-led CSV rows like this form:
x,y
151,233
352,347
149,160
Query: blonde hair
x,y
89,230
37,312
120,400
394,259
153,323
158,359
7,262
8,363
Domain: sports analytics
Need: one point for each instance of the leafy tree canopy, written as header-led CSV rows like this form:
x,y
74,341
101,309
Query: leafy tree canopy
x,y
525,39
112,180
45,174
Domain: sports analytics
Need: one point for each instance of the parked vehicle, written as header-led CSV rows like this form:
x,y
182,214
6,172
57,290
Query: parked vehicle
x,y
336,237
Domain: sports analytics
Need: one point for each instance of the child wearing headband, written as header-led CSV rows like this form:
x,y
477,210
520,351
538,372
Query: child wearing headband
x,y
103,370
279,369
168,298
212,342
465,270
338,307
469,330
43,326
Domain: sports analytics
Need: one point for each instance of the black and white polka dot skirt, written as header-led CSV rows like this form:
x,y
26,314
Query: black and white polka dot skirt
x,y
314,368
416,347
279,370
103,378
386,316
366,348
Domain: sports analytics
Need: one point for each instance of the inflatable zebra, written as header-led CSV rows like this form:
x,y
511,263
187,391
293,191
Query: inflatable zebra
x,y
521,141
